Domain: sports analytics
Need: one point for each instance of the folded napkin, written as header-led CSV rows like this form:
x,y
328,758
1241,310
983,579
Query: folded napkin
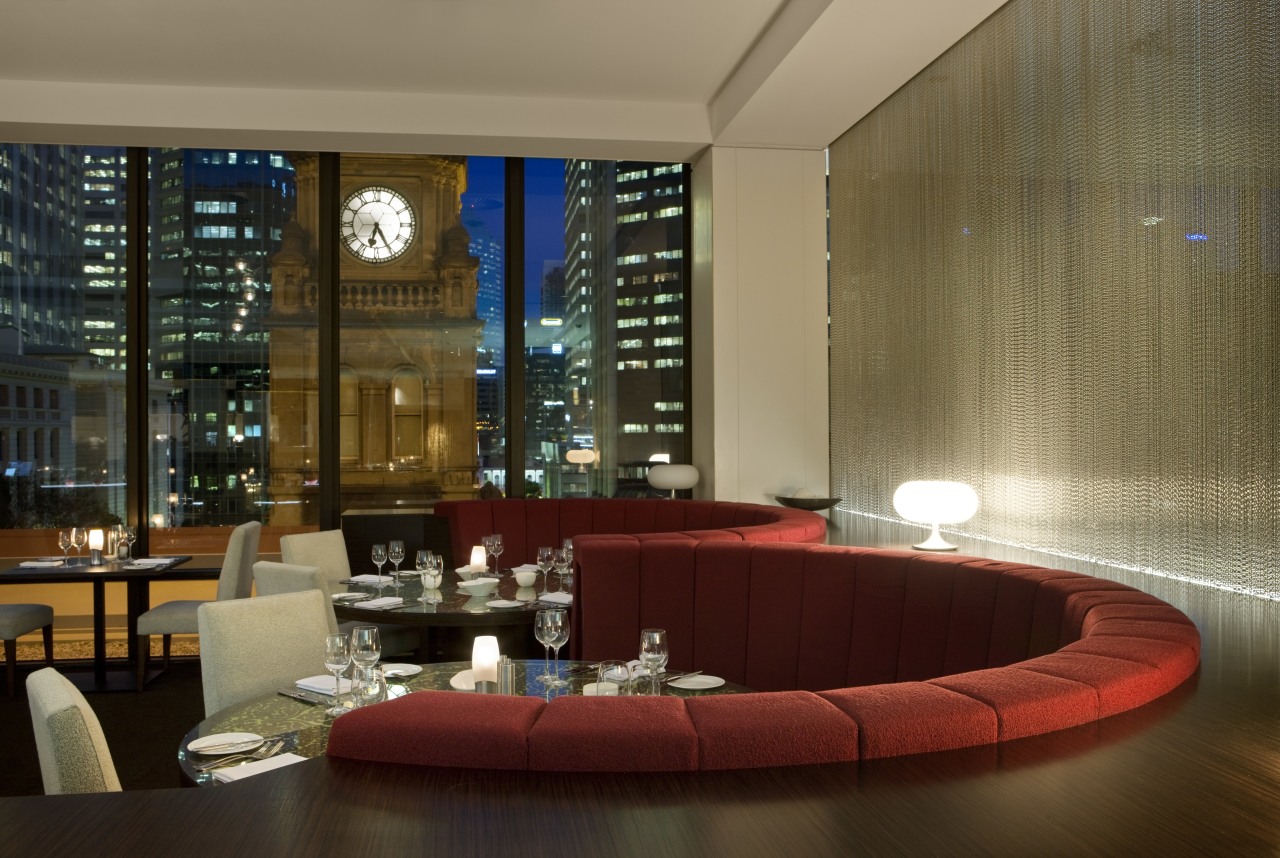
x,y
42,564
383,603
525,567
557,598
323,684
370,579
257,767
151,561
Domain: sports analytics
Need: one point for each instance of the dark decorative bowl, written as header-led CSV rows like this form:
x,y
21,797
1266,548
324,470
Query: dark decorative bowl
x,y
811,504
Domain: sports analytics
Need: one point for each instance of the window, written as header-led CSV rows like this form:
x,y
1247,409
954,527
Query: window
x,y
406,392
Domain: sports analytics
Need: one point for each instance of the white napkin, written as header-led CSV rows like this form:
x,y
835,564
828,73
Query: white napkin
x,y
637,669
370,579
383,603
525,567
151,561
42,564
323,684
557,598
257,767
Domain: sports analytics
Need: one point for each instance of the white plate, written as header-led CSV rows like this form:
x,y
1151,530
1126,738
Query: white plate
x,y
697,683
504,603
220,744
409,573
463,681
401,669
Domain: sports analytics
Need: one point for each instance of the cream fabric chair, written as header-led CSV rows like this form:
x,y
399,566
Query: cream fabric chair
x,y
19,620
250,647
73,752
324,549
179,617
271,579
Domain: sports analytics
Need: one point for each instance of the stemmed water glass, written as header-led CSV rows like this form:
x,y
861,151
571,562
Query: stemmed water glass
x,y
546,559
79,537
546,628
425,563
337,657
366,649
562,560
493,544
64,542
379,558
130,536
653,655
395,553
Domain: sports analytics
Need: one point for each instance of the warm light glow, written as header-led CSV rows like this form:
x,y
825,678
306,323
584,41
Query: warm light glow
x,y
580,457
935,502
673,477
96,539
478,556
484,659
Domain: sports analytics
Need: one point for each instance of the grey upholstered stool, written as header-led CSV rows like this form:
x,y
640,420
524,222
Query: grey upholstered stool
x,y
18,620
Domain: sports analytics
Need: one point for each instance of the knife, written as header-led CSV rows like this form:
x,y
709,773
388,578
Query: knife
x,y
673,678
304,696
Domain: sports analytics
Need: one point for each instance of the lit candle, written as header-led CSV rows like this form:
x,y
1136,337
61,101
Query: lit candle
x,y
478,556
96,540
484,662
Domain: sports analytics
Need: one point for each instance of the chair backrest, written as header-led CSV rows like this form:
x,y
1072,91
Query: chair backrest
x,y
272,579
326,549
250,647
73,752
236,580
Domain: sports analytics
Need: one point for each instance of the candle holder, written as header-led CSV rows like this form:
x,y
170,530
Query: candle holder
x,y
96,541
484,664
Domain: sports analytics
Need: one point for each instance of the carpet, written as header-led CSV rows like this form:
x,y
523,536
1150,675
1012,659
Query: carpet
x,y
78,650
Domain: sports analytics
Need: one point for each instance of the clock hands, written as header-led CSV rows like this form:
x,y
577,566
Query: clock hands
x,y
377,230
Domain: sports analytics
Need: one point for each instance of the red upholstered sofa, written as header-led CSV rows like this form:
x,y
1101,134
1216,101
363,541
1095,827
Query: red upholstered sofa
x,y
527,524
859,653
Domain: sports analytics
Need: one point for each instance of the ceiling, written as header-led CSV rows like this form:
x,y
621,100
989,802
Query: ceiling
x,y
590,78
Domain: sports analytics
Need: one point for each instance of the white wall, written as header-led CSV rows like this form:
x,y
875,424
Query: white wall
x,y
759,304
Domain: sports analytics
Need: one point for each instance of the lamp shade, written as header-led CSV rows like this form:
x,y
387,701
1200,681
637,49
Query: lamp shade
x,y
580,457
484,659
673,477
935,502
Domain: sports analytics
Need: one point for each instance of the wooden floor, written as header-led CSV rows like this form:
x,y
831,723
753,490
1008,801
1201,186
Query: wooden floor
x,y
1196,773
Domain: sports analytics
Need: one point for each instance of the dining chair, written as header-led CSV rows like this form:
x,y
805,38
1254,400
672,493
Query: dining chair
x,y
251,647
73,752
19,620
178,617
272,578
325,549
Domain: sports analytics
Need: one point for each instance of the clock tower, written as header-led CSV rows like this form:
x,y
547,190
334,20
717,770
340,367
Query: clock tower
x,y
408,334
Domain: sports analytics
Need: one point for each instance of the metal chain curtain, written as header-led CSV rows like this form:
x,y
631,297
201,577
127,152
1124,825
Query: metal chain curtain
x,y
1055,275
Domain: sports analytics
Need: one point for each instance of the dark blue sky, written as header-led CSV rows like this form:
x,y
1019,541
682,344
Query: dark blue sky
x,y
544,213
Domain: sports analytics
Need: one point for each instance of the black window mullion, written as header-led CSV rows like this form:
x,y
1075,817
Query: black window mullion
x,y
513,318
137,422
328,186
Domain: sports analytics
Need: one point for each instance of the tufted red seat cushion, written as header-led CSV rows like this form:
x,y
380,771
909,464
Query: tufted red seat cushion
x,y
614,734
440,728
783,728
914,718
1025,702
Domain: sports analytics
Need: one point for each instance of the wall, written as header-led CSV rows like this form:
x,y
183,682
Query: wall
x,y
1055,276
759,341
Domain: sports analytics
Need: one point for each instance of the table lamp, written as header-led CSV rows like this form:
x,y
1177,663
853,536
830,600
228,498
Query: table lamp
x,y
935,502
484,664
673,478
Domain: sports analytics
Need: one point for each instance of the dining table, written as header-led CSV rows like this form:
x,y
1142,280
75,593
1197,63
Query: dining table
x,y
302,724
447,618
136,574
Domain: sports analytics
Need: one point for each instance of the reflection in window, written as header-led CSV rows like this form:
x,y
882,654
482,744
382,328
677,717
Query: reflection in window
x,y
407,404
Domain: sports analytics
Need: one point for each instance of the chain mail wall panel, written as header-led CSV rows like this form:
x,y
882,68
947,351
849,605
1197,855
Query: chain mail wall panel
x,y
1055,259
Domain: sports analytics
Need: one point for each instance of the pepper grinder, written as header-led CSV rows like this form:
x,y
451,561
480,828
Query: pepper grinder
x,y
506,675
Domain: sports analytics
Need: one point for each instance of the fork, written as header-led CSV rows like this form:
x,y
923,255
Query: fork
x,y
268,750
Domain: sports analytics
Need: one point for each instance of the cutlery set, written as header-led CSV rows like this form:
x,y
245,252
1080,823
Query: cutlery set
x,y
270,749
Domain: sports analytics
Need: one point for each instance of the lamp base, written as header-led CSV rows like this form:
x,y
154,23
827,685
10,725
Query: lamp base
x,y
935,542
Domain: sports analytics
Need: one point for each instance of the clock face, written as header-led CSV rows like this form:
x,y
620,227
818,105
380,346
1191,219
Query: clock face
x,y
377,224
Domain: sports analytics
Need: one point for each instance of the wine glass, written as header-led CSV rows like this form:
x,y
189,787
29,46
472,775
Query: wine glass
x,y
546,559
562,559
560,639
366,647
64,542
379,558
494,547
567,545
79,537
337,657
395,553
130,537
424,562
545,629
653,654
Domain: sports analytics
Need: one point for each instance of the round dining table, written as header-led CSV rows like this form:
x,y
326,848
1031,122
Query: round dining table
x,y
303,724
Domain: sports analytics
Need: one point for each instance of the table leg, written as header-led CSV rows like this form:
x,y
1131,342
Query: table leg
x,y
99,633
